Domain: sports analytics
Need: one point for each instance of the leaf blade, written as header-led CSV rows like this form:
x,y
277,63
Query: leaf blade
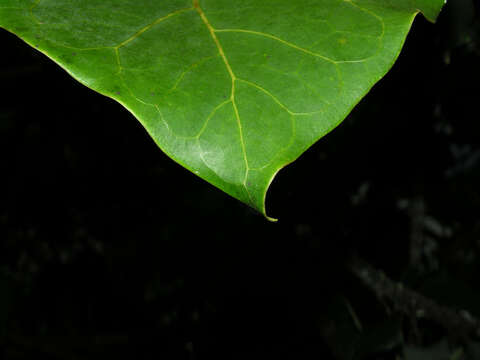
x,y
233,92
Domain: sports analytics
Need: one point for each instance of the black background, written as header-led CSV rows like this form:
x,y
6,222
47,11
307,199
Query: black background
x,y
109,248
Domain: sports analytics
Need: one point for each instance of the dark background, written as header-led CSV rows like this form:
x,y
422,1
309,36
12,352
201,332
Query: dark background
x,y
110,249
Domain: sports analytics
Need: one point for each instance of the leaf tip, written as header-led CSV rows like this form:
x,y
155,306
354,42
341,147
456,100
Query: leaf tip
x,y
272,220
270,180
432,10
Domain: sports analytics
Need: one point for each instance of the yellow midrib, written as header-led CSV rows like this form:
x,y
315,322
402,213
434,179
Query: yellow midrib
x,y
210,28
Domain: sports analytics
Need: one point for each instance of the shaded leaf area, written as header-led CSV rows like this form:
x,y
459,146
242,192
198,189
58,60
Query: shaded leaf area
x,y
101,255
233,91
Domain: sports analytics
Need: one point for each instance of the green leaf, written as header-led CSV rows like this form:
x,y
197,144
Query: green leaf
x,y
232,90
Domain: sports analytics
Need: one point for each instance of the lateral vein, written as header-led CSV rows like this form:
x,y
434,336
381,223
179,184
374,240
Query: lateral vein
x,y
272,37
149,26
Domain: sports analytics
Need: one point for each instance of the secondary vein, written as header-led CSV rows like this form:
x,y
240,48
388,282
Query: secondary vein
x,y
149,26
299,48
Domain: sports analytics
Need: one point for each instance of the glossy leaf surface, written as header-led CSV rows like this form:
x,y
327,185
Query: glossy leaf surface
x,y
233,91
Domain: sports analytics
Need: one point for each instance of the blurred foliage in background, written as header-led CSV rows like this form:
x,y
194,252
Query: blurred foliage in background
x,y
108,248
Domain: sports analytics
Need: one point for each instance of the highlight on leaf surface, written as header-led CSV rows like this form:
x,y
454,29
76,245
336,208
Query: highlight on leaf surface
x,y
233,91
